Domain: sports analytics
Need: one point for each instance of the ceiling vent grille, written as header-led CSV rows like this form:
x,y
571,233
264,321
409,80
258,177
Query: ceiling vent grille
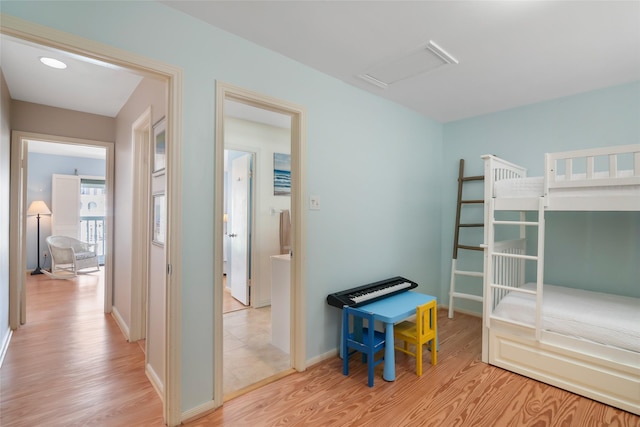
x,y
419,61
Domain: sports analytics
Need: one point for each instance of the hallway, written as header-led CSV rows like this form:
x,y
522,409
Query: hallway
x,y
70,364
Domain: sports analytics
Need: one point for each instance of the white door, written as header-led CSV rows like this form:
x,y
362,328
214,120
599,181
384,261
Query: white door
x,y
65,206
240,193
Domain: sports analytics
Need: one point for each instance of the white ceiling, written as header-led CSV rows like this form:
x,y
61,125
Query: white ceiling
x,y
510,53
85,85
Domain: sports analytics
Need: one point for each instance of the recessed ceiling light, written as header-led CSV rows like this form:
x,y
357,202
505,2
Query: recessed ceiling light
x,y
53,63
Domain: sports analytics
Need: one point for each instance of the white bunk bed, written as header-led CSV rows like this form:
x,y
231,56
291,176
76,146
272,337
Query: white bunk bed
x,y
581,341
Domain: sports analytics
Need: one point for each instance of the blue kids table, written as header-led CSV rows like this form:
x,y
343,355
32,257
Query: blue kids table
x,y
393,310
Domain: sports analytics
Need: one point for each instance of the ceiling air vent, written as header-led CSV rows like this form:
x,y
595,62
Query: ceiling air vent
x,y
416,62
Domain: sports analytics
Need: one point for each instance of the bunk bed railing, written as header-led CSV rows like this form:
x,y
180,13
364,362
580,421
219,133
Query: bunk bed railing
x,y
506,270
498,169
594,167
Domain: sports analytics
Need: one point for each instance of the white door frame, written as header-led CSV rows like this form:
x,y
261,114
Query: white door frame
x,y
141,141
298,221
35,33
19,169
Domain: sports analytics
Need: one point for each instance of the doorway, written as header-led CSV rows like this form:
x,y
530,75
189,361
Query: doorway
x,y
52,145
81,47
296,304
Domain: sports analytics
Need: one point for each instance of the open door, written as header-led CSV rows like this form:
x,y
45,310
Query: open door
x,y
239,233
65,205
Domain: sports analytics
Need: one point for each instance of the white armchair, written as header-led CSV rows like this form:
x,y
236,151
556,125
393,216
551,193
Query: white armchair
x,y
69,256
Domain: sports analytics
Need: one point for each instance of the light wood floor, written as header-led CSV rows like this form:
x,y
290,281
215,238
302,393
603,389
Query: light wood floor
x,y
70,366
459,391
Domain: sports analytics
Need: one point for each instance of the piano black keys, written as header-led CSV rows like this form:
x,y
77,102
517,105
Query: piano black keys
x,y
366,294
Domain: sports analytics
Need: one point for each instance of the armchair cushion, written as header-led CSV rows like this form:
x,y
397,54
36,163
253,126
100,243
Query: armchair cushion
x,y
71,254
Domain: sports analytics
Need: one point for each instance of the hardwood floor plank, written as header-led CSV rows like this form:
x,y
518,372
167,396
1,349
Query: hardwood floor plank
x,y
459,391
71,366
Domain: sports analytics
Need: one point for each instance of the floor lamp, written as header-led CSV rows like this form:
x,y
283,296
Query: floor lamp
x,y
38,207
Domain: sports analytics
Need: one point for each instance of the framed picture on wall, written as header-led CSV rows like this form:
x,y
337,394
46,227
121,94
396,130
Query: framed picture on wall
x,y
281,174
159,145
159,219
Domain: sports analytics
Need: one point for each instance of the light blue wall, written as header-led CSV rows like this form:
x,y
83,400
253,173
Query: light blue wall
x,y
41,168
590,250
374,164
386,180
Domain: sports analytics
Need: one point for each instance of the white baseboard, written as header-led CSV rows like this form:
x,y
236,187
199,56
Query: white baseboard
x,y
120,322
262,303
321,358
154,379
198,411
4,347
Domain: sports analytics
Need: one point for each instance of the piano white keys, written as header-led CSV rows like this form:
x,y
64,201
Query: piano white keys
x,y
380,292
371,292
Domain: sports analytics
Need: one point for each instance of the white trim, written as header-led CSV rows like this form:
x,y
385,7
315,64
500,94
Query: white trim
x,y
5,345
298,220
322,357
120,322
198,411
173,251
218,242
32,32
154,379
17,219
141,140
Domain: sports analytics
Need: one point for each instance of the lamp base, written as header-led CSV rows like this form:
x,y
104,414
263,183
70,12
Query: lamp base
x,y
38,270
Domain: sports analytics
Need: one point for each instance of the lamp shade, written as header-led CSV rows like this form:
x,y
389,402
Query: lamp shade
x,y
38,207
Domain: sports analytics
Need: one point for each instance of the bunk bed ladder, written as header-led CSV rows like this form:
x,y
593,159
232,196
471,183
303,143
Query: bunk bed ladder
x,y
456,242
500,257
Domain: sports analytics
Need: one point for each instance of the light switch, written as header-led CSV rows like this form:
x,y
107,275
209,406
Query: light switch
x,y
314,203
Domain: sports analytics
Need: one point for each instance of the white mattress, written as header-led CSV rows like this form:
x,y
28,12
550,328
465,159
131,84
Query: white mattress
x,y
595,316
534,187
